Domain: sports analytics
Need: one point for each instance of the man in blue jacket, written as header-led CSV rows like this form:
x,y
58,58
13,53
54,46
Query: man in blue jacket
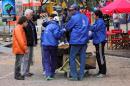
x,y
78,25
50,37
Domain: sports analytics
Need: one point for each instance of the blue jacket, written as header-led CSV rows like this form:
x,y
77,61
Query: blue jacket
x,y
78,25
99,31
51,34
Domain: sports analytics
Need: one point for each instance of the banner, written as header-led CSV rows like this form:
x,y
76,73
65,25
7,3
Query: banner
x,y
26,1
8,7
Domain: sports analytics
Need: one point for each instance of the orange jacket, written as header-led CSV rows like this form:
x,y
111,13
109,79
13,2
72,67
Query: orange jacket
x,y
19,40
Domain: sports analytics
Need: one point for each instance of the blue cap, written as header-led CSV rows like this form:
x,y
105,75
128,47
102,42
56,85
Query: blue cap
x,y
73,6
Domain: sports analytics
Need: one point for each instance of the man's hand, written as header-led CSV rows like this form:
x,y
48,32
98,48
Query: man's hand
x,y
90,33
64,29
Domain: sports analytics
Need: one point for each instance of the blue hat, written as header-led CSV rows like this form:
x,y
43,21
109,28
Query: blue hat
x,y
73,6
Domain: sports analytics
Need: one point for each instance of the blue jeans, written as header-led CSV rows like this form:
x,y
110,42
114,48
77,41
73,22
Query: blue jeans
x,y
24,64
81,50
18,65
49,60
30,58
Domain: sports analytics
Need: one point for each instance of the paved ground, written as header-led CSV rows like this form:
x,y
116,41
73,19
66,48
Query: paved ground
x,y
121,53
118,73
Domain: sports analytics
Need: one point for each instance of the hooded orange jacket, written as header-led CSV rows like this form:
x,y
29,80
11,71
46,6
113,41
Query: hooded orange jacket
x,y
19,45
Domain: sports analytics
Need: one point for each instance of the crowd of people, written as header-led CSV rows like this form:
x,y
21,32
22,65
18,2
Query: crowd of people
x,y
74,22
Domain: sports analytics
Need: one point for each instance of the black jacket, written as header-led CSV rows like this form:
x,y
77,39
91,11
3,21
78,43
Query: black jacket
x,y
31,34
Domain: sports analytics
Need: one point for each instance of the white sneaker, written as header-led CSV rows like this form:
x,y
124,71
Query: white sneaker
x,y
100,75
43,73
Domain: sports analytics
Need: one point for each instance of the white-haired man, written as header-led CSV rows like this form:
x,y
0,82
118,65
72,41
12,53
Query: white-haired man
x,y
31,36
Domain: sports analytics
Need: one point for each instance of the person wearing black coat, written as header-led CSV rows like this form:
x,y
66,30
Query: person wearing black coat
x,y
107,21
31,36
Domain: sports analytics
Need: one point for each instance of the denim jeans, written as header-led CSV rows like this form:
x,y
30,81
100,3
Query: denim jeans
x,y
81,50
18,65
30,58
21,64
24,64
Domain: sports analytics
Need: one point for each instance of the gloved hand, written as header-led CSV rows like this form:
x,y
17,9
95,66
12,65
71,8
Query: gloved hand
x,y
64,29
90,33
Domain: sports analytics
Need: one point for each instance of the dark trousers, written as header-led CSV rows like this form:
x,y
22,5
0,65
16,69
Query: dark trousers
x,y
49,60
18,65
59,57
42,53
101,57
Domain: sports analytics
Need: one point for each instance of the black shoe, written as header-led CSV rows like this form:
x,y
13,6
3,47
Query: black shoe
x,y
29,74
20,78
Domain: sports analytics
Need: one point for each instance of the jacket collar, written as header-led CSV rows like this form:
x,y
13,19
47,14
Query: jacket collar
x,y
98,19
77,12
53,22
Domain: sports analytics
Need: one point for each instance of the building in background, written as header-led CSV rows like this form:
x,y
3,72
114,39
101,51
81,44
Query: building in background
x,y
32,4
